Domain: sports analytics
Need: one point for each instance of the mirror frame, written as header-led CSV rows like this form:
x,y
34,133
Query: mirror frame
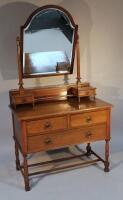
x,y
75,28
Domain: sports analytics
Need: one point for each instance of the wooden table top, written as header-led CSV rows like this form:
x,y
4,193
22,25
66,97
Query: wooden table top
x,y
45,109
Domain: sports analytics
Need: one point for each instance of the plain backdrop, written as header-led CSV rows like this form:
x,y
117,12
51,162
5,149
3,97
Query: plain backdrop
x,y
101,43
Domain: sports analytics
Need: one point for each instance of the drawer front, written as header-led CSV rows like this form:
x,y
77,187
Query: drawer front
x,y
23,99
89,92
88,118
43,125
75,136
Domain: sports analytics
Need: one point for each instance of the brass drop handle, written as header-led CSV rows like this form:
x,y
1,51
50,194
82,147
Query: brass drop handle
x,y
88,134
88,119
47,125
47,141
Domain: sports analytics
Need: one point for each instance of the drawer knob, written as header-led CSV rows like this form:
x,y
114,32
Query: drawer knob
x,y
88,134
47,141
47,125
88,119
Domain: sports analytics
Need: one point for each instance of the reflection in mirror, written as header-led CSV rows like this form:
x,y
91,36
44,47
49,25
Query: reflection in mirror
x,y
46,62
48,44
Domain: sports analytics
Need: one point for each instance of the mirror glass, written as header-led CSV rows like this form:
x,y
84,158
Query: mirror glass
x,y
48,44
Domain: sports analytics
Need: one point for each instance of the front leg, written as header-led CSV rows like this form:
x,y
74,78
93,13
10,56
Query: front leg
x,y
26,177
17,157
106,164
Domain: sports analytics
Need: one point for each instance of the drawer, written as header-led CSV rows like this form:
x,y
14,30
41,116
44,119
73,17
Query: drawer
x,y
87,92
71,137
24,99
88,118
43,125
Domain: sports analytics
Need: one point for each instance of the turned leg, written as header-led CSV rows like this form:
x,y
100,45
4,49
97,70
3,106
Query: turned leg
x,y
106,164
88,148
26,178
17,157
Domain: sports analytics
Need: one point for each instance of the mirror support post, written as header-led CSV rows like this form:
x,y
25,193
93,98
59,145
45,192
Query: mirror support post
x,y
66,79
78,61
21,89
78,69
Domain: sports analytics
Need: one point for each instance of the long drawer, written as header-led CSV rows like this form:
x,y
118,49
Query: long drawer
x,y
40,126
64,138
88,118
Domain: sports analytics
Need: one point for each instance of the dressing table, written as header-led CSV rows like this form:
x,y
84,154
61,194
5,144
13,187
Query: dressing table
x,y
53,117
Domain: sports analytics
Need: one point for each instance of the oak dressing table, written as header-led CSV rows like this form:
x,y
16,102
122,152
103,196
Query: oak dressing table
x,y
53,117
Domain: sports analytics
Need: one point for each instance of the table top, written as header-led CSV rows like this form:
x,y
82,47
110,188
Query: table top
x,y
56,108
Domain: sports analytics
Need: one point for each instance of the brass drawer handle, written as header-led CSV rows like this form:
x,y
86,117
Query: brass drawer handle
x,y
88,134
47,141
47,125
88,119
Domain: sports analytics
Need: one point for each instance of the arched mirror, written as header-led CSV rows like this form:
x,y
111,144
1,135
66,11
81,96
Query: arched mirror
x,y
46,47
48,43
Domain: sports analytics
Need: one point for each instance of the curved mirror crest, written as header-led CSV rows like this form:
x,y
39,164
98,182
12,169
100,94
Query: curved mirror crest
x,y
48,44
